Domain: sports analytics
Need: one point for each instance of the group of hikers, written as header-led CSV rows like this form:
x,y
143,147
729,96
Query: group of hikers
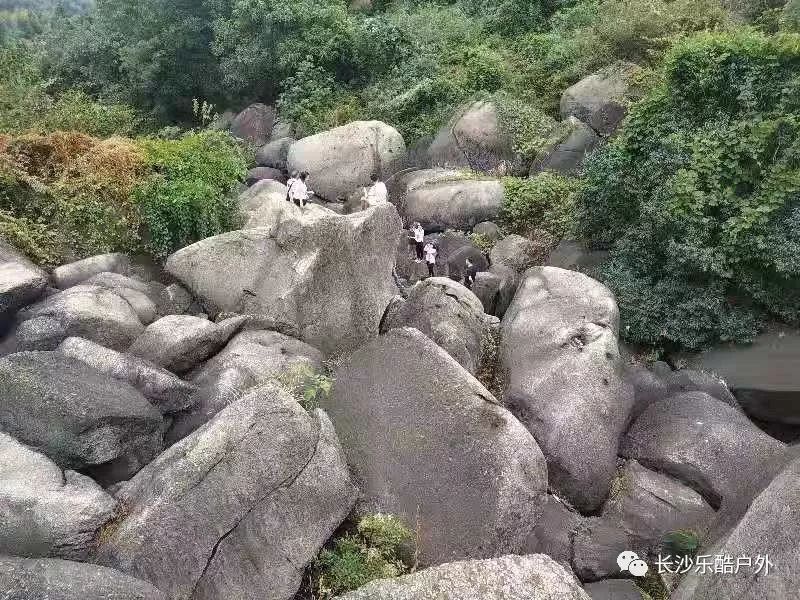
x,y
298,193
428,252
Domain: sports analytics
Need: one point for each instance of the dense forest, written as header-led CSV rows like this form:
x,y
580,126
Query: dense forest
x,y
707,158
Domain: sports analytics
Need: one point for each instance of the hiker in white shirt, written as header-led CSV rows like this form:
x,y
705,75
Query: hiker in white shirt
x,y
430,257
419,240
376,194
299,193
289,184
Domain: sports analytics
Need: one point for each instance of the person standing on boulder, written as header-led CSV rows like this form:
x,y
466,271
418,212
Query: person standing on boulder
x,y
430,257
376,194
419,240
299,192
470,272
289,184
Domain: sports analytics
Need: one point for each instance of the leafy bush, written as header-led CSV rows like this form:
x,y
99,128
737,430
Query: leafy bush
x,y
699,197
306,385
373,552
530,128
72,195
542,202
190,195
75,187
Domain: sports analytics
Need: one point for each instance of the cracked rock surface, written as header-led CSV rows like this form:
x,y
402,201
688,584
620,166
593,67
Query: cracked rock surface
x,y
420,431
238,508
325,277
565,378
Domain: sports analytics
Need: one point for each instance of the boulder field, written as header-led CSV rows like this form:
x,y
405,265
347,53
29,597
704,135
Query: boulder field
x,y
216,428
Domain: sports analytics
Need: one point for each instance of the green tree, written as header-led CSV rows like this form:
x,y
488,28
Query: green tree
x,y
154,54
699,197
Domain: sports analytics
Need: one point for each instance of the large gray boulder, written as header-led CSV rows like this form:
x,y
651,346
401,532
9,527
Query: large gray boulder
x,y
475,139
181,342
327,277
87,311
507,288
274,153
601,99
615,589
257,174
763,376
237,509
44,510
251,358
341,160
575,256
532,577
164,390
706,444
596,544
555,531
264,205
565,378
74,273
174,299
74,414
648,505
565,154
134,292
20,285
440,199
519,253
434,435
769,529
254,124
449,314
54,579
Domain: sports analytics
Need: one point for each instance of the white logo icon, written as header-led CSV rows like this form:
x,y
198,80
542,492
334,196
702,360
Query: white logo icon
x,y
630,561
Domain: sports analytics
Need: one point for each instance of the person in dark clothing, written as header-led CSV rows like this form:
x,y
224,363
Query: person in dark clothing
x,y
430,257
469,274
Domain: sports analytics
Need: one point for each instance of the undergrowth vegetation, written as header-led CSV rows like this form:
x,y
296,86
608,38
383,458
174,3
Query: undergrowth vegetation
x,y
68,195
377,547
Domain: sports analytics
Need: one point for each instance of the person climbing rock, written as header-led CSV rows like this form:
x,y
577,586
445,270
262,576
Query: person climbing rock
x,y
375,194
290,184
299,192
430,257
470,272
418,235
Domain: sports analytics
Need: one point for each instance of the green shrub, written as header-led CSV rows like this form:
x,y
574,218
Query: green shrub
x,y
355,559
75,187
306,385
699,197
542,202
529,127
189,196
683,542
591,34
35,240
